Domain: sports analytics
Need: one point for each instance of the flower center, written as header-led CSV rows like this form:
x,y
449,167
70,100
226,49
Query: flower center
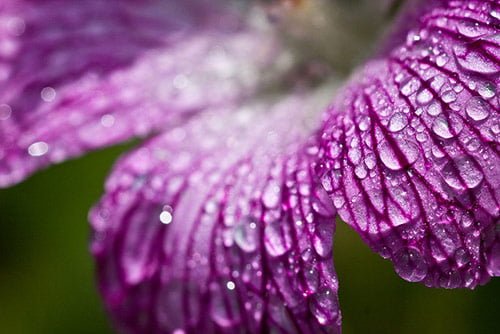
x,y
339,33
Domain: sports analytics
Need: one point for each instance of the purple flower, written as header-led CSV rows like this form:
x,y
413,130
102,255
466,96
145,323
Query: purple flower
x,y
223,220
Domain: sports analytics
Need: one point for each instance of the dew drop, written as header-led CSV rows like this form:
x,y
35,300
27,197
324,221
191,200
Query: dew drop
x,y
38,149
398,122
474,61
166,216
107,120
424,97
486,90
245,236
434,109
392,161
277,239
5,112
272,195
48,94
178,331
477,109
441,127
462,174
410,87
338,201
360,171
410,265
441,59
230,285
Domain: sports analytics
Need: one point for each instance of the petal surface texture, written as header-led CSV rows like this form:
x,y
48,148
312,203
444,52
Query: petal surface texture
x,y
411,149
78,75
216,227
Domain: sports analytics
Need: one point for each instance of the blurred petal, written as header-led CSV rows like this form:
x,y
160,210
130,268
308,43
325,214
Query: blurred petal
x,y
411,149
218,227
78,75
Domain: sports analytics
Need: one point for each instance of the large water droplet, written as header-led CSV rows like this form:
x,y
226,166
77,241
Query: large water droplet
x,y
424,97
38,149
166,215
462,174
5,112
474,60
410,264
477,109
398,122
48,94
391,160
277,239
442,127
272,195
409,87
246,236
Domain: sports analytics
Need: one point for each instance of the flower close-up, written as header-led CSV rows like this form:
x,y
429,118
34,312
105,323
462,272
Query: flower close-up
x,y
258,127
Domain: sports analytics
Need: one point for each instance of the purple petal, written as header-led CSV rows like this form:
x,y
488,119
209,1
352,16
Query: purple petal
x,y
411,150
78,75
218,227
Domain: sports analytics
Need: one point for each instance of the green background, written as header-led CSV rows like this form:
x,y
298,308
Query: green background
x,y
47,283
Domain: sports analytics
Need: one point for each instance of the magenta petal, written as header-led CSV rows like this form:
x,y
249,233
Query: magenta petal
x,y
78,75
411,150
218,227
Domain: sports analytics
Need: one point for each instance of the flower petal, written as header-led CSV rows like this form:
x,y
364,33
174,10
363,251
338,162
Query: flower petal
x,y
411,150
219,227
78,75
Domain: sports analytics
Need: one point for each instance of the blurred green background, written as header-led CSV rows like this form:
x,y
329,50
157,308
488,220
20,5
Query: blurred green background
x,y
47,283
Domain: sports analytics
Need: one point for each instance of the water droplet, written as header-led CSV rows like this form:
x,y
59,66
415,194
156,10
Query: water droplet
x,y
409,87
392,161
338,201
474,60
442,59
178,331
48,94
230,285
245,236
441,127
471,30
486,90
277,239
166,216
38,149
272,195
5,112
360,171
370,160
473,144
462,174
424,97
477,109
398,122
107,120
434,109
410,265
449,96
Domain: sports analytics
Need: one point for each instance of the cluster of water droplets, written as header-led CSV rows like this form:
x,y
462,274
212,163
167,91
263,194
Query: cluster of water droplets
x,y
407,145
